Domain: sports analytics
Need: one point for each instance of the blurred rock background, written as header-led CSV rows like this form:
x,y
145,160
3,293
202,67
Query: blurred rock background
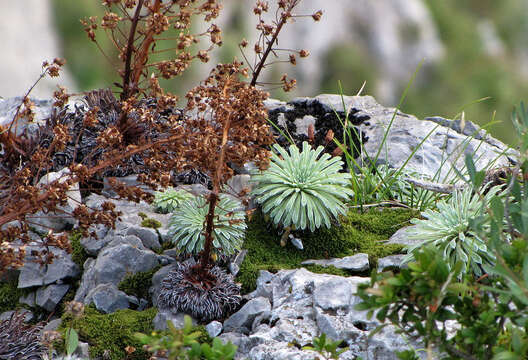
x,y
471,49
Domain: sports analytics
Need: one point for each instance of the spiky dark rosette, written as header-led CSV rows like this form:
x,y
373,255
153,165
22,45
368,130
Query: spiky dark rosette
x,y
204,299
19,340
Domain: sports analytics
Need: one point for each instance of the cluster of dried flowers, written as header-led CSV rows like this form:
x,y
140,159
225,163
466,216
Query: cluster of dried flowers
x,y
224,122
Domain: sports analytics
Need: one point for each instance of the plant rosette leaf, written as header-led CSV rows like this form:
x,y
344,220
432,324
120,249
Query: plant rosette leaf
x,y
302,189
449,230
186,225
167,201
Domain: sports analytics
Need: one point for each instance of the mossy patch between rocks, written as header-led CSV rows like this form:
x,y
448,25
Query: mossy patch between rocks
x,y
138,284
111,332
357,233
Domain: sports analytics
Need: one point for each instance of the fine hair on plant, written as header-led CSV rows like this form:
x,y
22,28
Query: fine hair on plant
x,y
302,190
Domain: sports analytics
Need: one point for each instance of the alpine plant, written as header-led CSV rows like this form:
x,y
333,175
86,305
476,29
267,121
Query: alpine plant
x,y
167,201
448,229
186,225
303,189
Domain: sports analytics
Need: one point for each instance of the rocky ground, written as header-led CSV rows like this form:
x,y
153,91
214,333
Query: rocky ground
x,y
289,307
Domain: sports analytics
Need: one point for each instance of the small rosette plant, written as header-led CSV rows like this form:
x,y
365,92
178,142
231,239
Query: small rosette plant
x,y
449,230
167,201
187,225
303,189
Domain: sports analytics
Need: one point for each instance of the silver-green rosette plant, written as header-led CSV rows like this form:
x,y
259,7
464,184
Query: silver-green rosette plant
x,y
448,228
303,189
167,201
187,224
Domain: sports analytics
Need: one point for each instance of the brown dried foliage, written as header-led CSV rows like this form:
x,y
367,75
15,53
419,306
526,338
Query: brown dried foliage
x,y
224,122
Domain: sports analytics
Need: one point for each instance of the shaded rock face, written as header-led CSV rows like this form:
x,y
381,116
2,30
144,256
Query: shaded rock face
x,y
442,143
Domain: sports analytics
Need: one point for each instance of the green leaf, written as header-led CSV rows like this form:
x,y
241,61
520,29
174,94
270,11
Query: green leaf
x,y
72,341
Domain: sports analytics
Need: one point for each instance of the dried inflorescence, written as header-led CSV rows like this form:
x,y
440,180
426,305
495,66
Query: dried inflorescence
x,y
19,340
223,123
184,290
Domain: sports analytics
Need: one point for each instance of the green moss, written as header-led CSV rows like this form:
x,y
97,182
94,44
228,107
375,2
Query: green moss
x,y
138,284
112,332
358,233
9,295
151,223
79,255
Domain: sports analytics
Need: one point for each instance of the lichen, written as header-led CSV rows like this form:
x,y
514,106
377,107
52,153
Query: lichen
x,y
357,233
138,284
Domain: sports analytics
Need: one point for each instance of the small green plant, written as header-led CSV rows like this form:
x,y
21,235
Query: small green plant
x,y
302,189
448,229
167,201
186,226
184,344
327,348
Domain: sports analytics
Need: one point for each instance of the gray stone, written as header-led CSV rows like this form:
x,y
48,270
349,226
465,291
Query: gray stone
x,y
440,148
238,184
62,218
390,262
296,242
112,265
52,325
234,266
28,315
28,299
160,320
214,328
33,274
357,263
48,297
130,180
107,298
242,320
333,294
148,236
402,237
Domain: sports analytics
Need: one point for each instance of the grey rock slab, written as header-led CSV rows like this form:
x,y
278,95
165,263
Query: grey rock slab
x,y
33,274
234,265
160,320
148,236
404,236
214,328
356,263
390,262
238,184
113,264
48,297
52,325
242,320
28,299
333,294
107,298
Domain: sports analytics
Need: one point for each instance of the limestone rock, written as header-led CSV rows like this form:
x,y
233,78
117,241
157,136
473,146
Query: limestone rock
x,y
48,297
356,263
160,320
214,328
33,274
242,320
119,258
107,298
